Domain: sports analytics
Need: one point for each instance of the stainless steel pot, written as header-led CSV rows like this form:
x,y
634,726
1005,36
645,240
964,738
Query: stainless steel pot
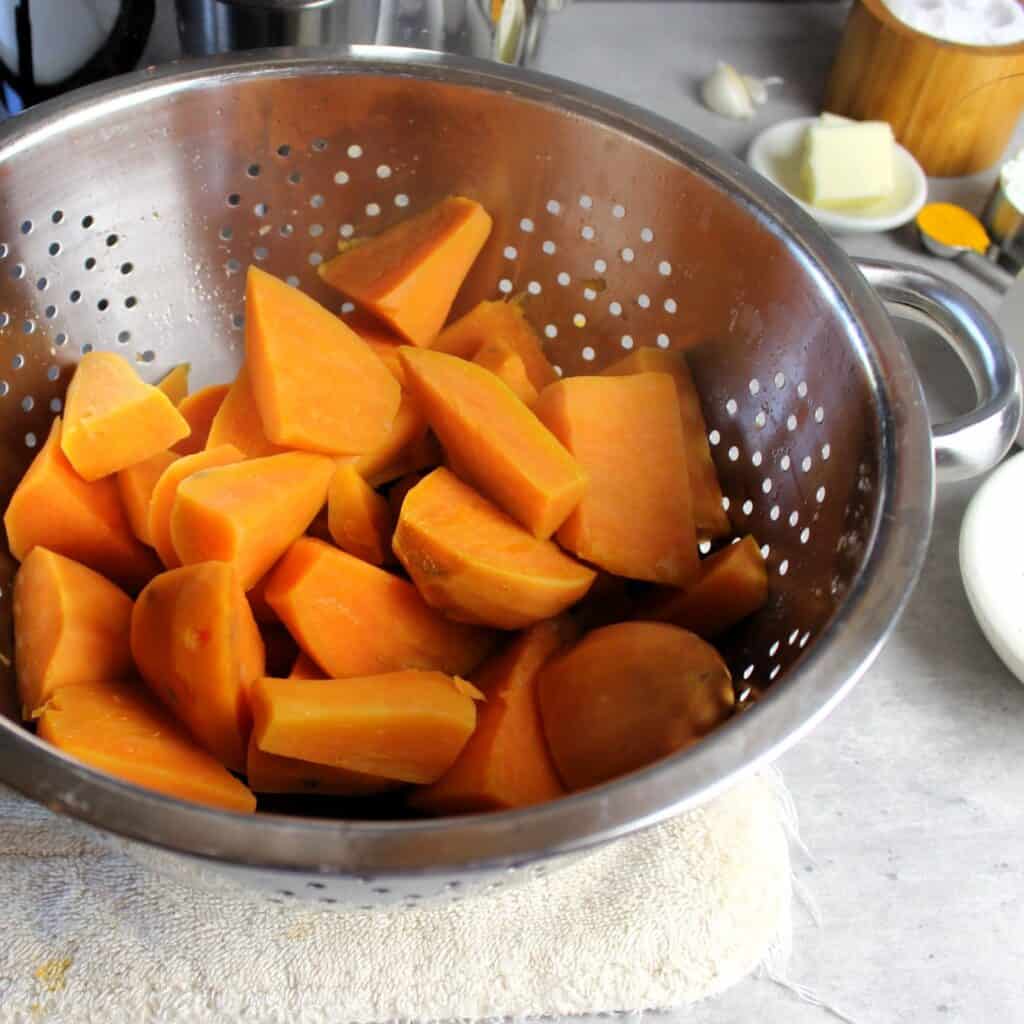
x,y
130,211
469,28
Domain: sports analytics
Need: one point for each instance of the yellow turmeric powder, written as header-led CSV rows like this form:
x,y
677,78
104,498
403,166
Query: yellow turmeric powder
x,y
952,225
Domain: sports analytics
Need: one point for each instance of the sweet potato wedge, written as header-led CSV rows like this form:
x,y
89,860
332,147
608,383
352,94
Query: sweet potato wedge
x,y
409,274
476,564
119,729
318,386
409,726
197,646
627,695
636,518
200,409
358,518
237,421
70,626
113,418
500,447
354,619
135,485
248,513
174,383
83,521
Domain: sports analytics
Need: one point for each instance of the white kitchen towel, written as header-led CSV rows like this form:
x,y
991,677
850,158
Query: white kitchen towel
x,y
662,919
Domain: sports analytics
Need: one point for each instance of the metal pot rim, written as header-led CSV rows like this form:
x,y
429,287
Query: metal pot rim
x,y
826,672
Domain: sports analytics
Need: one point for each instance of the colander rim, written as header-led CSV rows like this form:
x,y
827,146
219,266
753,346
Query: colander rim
x,y
813,686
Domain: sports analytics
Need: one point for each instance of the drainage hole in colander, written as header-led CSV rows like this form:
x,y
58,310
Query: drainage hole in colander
x,y
646,235
734,453
260,253
18,271
253,170
725,503
315,259
748,671
30,440
588,353
805,464
26,227
54,248
4,388
18,362
587,233
295,178
232,266
826,452
372,210
50,312
75,295
558,370
663,342
766,550
261,209
548,247
316,201
804,639
28,327
554,207
615,308
801,389
237,320
794,518
563,279
57,216
87,221
401,200
586,202
626,341
670,305
757,458
805,535
773,650
704,547
28,403
52,373
819,415
56,405
550,331
760,420
346,231
5,319
643,300
628,256
284,149
102,304
90,263
348,307
292,280
714,438
774,513
61,339
820,495
131,302
784,463
526,225
4,250
784,567
504,286
86,348
589,294
124,337
341,178
112,240
146,357
748,507
766,485
774,672
355,151
510,252
579,320
316,230
127,268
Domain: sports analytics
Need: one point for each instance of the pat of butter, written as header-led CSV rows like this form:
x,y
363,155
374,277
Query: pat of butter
x,y
847,162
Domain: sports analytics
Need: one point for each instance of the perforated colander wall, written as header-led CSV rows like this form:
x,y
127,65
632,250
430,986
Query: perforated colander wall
x,y
137,240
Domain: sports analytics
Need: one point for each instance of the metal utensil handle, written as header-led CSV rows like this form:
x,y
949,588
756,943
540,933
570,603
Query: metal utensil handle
x,y
985,270
973,443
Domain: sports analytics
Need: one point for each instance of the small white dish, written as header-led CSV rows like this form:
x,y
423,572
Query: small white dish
x,y
992,561
776,154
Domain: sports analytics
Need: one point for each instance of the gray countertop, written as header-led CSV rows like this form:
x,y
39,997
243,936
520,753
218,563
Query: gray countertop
x,y
910,796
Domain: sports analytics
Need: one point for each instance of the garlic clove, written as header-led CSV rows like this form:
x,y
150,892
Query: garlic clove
x,y
730,94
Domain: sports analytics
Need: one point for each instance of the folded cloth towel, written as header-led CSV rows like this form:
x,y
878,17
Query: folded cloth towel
x,y
664,918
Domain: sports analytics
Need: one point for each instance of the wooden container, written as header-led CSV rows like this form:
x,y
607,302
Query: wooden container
x,y
953,106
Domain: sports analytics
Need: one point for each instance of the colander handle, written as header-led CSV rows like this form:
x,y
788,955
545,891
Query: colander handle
x,y
973,443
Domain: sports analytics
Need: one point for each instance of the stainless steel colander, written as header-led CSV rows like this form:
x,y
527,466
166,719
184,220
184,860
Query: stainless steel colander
x,y
128,216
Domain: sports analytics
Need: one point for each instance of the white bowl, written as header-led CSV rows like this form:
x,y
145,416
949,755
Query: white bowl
x,y
992,561
776,154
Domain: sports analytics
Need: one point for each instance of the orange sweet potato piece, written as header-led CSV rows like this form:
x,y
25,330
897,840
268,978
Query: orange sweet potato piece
x,y
508,366
248,513
474,563
636,519
174,384
135,485
358,518
318,386
198,648
238,422
733,583
627,695
408,725
409,274
199,410
503,324
270,773
499,445
354,619
165,492
708,514
119,729
70,626
305,668
387,460
280,649
506,762
113,418
82,521
421,454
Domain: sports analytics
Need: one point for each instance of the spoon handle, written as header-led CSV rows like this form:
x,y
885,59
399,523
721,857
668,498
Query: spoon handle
x,y
985,270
